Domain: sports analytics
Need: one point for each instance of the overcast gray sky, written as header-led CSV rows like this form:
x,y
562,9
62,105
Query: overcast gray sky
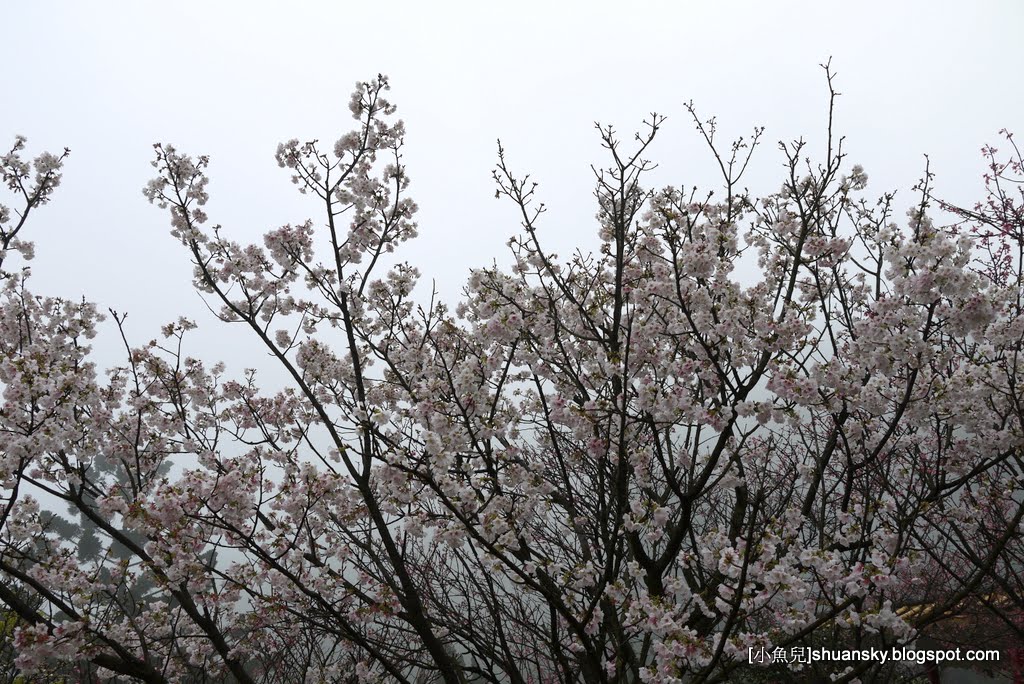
x,y
232,79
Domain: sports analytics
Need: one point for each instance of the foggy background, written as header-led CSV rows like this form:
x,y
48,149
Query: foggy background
x,y
232,79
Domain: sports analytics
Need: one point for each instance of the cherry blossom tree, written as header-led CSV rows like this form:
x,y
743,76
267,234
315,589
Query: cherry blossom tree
x,y
743,424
